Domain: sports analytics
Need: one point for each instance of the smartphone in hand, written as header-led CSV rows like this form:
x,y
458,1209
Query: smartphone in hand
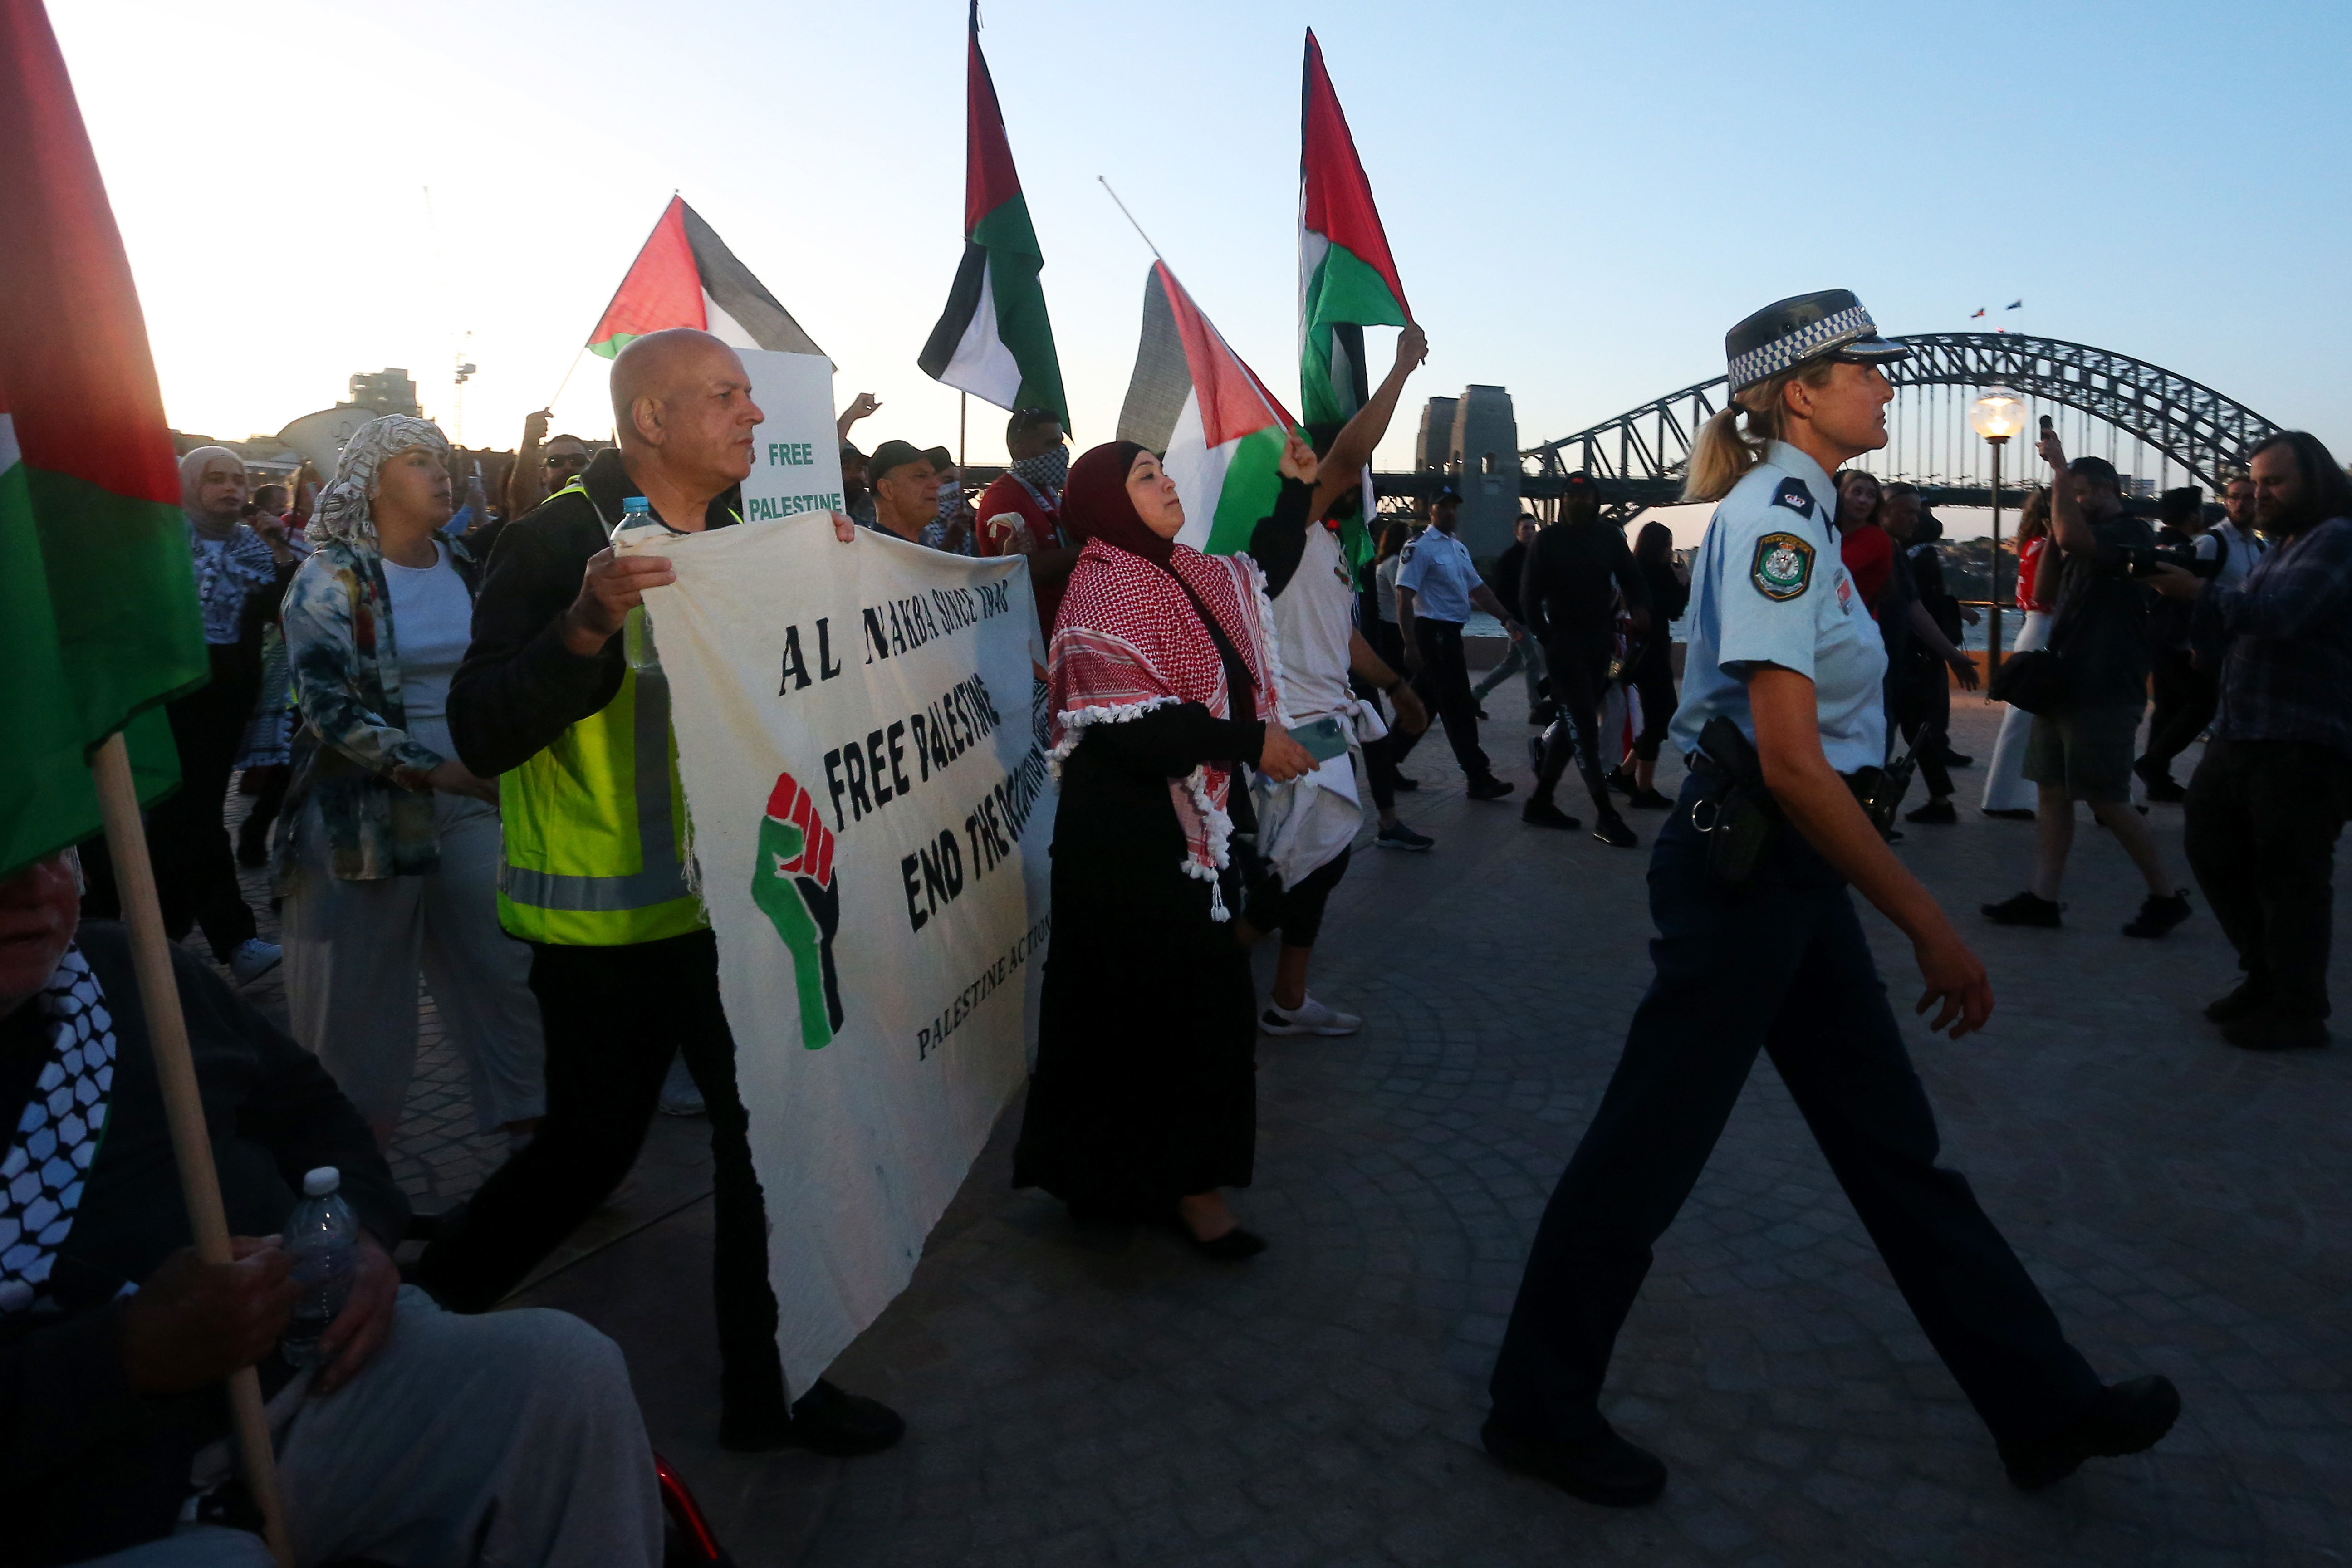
x,y
1324,738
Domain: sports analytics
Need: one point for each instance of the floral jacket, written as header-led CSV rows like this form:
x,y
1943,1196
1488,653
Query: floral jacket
x,y
346,668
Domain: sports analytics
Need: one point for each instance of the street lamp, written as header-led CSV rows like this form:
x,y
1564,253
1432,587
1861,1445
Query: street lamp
x,y
1996,416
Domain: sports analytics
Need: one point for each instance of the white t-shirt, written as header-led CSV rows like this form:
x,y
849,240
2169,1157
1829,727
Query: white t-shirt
x,y
432,623
1771,588
1315,619
1385,575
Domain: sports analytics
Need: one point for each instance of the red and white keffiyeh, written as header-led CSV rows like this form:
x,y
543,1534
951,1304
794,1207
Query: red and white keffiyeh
x,y
1129,641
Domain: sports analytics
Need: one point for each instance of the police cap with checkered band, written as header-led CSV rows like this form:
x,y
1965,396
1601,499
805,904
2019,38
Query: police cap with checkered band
x,y
1795,331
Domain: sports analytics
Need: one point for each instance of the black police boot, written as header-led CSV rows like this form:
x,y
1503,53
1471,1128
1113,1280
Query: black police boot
x,y
2127,1418
824,1421
2249,998
1605,1469
2270,1032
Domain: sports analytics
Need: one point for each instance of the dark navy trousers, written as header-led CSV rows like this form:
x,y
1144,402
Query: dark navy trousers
x,y
1779,964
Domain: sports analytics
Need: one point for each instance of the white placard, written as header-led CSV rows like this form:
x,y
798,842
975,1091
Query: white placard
x,y
796,452
872,810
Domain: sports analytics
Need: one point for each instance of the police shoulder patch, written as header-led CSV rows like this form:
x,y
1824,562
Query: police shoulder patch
x,y
1793,495
1783,567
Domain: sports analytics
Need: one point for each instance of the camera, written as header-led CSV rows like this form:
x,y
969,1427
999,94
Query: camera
x,y
2142,560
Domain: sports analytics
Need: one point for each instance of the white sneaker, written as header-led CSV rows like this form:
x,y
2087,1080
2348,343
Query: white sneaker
x,y
253,959
1309,1017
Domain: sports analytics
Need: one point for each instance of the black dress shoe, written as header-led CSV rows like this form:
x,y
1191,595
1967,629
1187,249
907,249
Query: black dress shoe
x,y
1934,811
2127,1418
2269,1032
1489,788
1958,760
2011,814
1605,1469
1233,1246
2161,785
1400,782
825,1421
2246,1000
1611,829
1651,800
1544,814
2027,909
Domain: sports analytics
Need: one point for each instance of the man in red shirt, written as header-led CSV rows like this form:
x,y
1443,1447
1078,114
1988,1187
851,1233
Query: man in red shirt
x,y
1020,513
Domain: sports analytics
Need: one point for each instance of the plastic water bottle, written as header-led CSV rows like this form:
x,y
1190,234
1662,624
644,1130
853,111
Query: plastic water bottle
x,y
637,633
324,1242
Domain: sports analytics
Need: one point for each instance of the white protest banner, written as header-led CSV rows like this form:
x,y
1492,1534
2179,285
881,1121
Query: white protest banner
x,y
796,452
871,812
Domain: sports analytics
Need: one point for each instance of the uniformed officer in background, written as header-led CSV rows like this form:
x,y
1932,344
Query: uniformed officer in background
x,y
1436,587
1782,646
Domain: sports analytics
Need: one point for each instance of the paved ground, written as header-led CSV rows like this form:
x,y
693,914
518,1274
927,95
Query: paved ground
x,y
1082,1399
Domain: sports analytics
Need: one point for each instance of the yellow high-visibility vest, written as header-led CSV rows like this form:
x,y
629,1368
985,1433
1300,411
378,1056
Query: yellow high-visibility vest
x,y
594,828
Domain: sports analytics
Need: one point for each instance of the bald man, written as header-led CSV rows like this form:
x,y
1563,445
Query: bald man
x,y
622,959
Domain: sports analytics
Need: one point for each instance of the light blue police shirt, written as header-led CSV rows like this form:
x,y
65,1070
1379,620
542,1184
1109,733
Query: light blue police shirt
x,y
1438,569
1769,588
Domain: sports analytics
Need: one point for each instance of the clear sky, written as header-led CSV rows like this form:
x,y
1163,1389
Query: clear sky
x,y
1581,199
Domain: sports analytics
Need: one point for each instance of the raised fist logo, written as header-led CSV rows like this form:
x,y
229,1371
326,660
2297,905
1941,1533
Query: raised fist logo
x,y
794,886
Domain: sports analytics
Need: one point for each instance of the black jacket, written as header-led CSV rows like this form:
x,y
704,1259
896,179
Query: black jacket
x,y
87,1466
520,687
1566,591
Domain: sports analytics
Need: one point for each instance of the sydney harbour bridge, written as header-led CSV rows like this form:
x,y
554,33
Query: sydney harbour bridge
x,y
2157,427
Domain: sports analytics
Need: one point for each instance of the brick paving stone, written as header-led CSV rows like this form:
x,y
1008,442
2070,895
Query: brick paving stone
x,y
1077,1397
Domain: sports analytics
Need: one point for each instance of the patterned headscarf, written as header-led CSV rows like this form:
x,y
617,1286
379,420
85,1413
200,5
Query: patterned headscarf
x,y
344,515
1128,640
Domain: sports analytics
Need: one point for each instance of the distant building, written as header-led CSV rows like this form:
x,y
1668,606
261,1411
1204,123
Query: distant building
x,y
387,392
1485,462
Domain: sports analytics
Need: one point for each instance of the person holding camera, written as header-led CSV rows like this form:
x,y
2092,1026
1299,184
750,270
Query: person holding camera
x,y
1770,955
2271,795
2082,749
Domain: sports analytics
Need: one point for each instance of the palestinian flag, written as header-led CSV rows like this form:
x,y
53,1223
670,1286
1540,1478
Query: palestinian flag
x,y
1347,278
1217,428
99,623
686,277
994,340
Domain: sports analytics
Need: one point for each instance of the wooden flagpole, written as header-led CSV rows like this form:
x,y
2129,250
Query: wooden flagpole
x,y
167,1034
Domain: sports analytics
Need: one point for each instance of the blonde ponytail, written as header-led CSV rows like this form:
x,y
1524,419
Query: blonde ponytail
x,y
1724,453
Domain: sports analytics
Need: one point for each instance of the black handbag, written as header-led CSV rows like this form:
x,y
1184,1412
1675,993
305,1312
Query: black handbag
x,y
2033,681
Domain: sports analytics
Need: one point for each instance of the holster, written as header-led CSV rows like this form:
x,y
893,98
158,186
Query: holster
x,y
1736,812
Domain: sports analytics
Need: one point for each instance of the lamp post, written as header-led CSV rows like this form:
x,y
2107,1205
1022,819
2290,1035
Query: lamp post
x,y
1996,416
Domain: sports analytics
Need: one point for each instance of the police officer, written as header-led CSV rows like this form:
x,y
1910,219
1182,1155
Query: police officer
x,y
1436,586
1782,645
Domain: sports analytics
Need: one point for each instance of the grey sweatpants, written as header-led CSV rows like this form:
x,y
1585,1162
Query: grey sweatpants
x,y
510,1438
353,950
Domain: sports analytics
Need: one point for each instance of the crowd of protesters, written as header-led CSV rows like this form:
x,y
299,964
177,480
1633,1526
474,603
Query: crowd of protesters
x,y
424,690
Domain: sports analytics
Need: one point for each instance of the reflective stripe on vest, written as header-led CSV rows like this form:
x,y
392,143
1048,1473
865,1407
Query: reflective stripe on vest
x,y
560,804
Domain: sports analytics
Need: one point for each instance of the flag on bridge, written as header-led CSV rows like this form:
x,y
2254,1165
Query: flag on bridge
x,y
1975,314
99,623
1219,430
1347,278
686,277
994,340
2013,305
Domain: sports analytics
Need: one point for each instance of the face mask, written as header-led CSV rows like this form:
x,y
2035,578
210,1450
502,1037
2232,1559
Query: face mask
x,y
1048,470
